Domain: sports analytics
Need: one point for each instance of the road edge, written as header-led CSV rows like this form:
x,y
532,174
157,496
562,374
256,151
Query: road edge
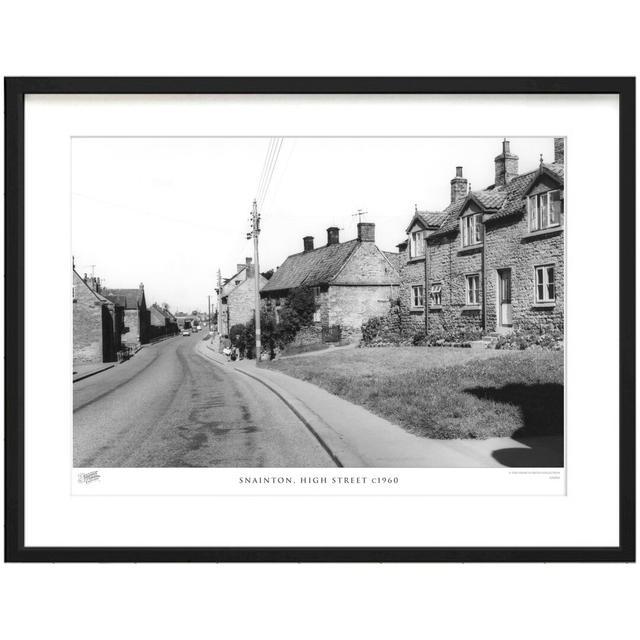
x,y
309,419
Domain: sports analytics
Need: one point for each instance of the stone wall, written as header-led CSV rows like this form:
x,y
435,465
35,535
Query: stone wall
x,y
241,301
449,266
349,307
411,273
367,266
308,335
509,245
391,328
87,325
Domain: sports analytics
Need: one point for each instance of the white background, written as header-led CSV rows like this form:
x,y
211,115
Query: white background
x,y
369,38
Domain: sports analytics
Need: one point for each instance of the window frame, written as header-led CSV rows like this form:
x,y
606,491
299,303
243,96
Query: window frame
x,y
467,289
548,209
545,284
413,251
413,296
432,302
475,229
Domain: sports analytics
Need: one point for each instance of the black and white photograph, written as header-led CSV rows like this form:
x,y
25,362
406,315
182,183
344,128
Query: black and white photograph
x,y
318,302
305,320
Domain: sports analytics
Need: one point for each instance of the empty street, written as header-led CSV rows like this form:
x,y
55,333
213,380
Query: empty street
x,y
171,407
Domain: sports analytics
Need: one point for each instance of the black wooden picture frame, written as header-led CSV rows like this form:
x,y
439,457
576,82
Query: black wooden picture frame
x,y
15,91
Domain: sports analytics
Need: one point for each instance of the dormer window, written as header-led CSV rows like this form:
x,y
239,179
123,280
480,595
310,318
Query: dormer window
x,y
471,229
416,245
546,210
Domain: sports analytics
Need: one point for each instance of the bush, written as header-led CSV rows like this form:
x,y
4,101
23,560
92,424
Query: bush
x,y
439,338
419,338
371,328
296,312
528,337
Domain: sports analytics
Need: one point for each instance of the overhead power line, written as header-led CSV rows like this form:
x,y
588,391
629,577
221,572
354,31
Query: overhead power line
x,y
270,165
265,165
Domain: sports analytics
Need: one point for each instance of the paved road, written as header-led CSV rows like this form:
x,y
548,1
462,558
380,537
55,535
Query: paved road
x,y
170,407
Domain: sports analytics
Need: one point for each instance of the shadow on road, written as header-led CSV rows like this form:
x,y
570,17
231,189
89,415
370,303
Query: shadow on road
x,y
542,407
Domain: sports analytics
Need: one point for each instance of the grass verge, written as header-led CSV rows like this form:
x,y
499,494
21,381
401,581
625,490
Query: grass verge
x,y
446,393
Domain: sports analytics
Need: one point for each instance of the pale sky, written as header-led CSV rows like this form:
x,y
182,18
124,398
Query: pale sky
x,y
169,212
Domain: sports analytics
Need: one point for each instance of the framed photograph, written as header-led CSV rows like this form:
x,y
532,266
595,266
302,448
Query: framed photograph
x,y
320,319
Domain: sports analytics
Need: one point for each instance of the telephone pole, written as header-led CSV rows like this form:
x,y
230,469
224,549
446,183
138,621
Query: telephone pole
x,y
254,233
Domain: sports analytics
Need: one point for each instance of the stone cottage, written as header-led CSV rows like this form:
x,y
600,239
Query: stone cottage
x,y
494,257
236,297
352,281
162,322
137,320
97,323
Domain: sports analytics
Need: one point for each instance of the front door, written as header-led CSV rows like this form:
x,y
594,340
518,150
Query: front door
x,y
506,310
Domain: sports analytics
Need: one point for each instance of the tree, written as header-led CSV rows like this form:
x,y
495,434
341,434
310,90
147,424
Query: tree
x,y
296,312
166,306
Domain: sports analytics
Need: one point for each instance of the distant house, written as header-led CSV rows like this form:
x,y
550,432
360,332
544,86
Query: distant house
x,y
495,256
352,281
162,322
236,297
137,321
97,323
187,321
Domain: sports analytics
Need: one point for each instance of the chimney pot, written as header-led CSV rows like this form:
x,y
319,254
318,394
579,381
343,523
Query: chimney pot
x,y
248,261
458,172
366,232
307,243
333,235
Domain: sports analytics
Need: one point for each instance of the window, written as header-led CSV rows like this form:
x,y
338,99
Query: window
x,y
545,210
435,295
417,296
417,243
545,284
473,289
471,229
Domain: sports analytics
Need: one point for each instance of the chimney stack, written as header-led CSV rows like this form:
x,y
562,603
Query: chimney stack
x,y
307,243
506,165
366,232
558,150
459,186
333,235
